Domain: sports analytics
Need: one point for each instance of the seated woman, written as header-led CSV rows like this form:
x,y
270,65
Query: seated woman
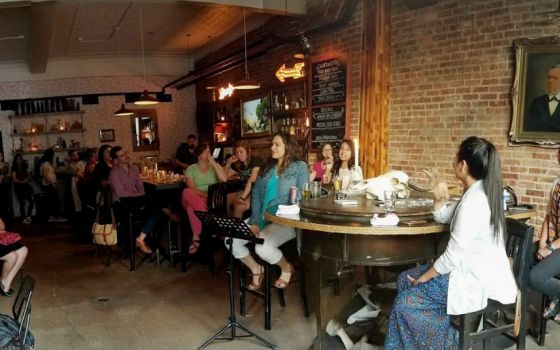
x,y
244,167
323,166
474,266
283,170
13,254
344,167
199,177
541,276
128,193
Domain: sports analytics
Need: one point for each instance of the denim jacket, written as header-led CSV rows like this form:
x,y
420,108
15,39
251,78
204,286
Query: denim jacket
x,y
295,175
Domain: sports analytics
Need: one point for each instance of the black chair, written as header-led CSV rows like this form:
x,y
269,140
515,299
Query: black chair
x,y
211,241
290,252
21,316
518,242
542,330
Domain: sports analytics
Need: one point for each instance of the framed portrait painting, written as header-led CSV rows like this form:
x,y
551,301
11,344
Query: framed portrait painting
x,y
255,116
536,92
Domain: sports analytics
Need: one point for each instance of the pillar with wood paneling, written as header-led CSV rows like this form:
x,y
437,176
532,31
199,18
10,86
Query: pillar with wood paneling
x,y
375,86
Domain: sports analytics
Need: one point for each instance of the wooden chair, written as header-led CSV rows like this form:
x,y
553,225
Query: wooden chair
x,y
518,242
290,252
542,330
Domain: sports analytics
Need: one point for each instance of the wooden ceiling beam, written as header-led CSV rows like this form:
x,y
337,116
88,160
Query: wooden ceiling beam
x,y
275,7
41,25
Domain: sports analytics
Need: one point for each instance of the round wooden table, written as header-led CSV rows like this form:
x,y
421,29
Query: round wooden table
x,y
334,237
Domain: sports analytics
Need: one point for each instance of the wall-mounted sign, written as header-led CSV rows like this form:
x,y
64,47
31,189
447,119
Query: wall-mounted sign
x,y
295,72
329,92
328,82
328,124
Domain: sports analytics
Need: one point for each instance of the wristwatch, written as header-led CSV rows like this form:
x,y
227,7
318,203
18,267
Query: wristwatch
x,y
550,247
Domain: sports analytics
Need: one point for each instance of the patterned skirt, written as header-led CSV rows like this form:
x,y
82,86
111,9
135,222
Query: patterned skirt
x,y
419,319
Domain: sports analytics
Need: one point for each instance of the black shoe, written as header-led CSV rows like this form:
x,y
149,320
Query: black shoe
x,y
4,293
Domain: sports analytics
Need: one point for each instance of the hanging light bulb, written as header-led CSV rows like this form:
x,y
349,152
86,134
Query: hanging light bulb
x,y
144,99
123,111
247,83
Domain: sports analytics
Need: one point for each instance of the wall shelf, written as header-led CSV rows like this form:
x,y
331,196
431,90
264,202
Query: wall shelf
x,y
53,132
22,116
54,149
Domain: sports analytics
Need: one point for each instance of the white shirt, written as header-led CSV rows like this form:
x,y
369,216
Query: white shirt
x,y
553,103
346,175
477,263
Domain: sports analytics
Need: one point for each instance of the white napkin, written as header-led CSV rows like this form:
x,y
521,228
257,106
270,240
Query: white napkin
x,y
386,220
287,209
346,201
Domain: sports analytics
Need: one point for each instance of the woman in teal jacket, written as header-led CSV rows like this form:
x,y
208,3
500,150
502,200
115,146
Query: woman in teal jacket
x,y
283,170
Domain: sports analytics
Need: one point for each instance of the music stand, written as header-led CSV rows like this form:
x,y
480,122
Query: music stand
x,y
232,228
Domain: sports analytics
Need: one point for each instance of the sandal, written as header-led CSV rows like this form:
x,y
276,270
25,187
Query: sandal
x,y
143,247
552,309
193,248
260,277
284,279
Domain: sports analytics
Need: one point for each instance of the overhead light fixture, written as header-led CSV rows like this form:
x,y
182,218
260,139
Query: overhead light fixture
x,y
246,84
144,99
123,111
226,92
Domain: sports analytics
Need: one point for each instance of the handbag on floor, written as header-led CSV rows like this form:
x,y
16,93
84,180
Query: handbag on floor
x,y
104,234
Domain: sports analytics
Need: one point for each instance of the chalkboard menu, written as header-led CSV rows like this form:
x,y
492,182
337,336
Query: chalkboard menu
x,y
328,124
328,102
328,82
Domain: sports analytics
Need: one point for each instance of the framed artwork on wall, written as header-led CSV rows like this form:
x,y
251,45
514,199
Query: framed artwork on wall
x,y
106,135
536,92
255,116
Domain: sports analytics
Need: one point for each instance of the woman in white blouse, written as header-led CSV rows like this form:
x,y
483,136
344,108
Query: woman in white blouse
x,y
474,266
344,167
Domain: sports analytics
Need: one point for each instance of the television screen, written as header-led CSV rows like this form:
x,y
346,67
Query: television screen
x,y
255,117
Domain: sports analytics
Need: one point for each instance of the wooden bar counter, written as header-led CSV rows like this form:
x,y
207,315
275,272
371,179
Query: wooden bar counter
x,y
335,237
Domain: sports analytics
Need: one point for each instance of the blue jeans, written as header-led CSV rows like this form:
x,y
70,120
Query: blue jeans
x,y
541,276
139,206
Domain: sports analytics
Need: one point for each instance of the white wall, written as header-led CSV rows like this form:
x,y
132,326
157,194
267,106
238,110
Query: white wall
x,y
176,119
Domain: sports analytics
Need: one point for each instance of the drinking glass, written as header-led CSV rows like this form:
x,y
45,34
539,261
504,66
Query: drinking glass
x,y
306,192
316,189
390,197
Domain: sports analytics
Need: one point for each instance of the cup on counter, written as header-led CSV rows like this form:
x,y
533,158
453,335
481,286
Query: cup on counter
x,y
306,192
315,189
389,199
337,185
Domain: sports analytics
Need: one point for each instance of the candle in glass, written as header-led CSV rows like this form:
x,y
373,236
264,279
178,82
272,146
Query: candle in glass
x,y
356,152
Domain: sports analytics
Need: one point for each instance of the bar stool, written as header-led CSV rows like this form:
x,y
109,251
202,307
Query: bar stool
x,y
290,252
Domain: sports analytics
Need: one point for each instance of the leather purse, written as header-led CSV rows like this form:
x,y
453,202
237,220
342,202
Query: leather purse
x,y
104,234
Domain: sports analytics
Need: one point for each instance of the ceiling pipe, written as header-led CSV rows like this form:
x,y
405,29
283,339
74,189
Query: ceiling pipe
x,y
336,14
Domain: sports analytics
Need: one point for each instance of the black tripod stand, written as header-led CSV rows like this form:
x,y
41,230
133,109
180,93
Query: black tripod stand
x,y
232,228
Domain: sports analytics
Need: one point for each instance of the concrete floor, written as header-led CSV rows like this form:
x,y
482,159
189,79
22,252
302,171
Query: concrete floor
x,y
155,307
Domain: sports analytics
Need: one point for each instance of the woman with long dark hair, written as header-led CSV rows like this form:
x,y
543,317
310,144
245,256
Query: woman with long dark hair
x,y
322,168
22,188
344,167
244,167
284,169
474,266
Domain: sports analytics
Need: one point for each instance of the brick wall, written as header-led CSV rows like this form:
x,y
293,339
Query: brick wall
x,y
342,40
452,68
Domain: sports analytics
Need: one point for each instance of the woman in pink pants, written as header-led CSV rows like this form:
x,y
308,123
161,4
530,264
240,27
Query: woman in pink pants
x,y
199,177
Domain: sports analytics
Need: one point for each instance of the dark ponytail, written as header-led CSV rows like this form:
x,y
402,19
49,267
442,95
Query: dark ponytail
x,y
484,164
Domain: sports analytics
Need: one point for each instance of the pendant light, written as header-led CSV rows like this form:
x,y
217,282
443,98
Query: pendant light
x,y
144,99
246,84
123,111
